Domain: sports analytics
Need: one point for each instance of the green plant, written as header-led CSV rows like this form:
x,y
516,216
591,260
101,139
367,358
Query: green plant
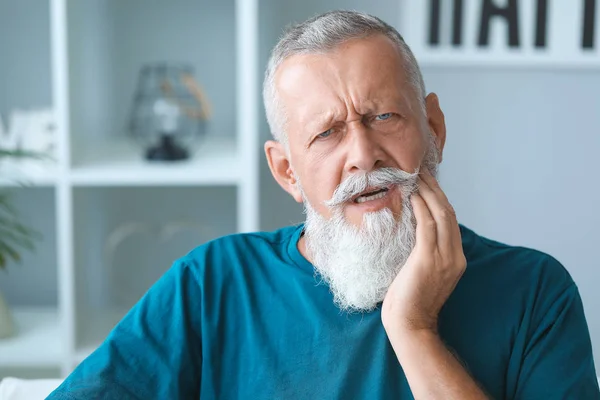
x,y
14,236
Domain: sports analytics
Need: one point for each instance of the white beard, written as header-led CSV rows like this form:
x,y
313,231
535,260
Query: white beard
x,y
360,263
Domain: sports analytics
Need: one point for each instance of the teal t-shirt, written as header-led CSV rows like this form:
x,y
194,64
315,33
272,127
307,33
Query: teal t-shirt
x,y
243,317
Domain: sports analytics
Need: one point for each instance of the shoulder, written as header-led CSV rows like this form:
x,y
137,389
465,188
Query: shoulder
x,y
238,249
510,287
513,265
243,241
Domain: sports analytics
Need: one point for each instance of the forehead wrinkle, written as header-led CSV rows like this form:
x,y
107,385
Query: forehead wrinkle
x,y
372,97
367,105
320,119
330,79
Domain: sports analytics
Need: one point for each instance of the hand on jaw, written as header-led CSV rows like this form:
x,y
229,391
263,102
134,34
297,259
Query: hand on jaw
x,y
434,267
413,302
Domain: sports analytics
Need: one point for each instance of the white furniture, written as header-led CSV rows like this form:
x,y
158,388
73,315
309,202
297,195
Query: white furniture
x,y
20,389
100,179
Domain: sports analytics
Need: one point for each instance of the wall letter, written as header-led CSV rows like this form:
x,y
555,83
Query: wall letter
x,y
510,13
589,24
434,22
541,23
435,12
457,23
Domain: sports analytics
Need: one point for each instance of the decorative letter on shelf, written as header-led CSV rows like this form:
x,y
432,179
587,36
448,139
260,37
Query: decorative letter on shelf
x,y
553,33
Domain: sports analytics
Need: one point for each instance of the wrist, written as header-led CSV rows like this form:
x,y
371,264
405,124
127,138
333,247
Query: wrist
x,y
412,336
406,340
408,325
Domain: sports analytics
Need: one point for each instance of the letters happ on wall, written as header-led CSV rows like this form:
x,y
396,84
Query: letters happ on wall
x,y
503,32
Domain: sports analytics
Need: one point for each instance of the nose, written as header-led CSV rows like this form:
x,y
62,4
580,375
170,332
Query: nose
x,y
364,152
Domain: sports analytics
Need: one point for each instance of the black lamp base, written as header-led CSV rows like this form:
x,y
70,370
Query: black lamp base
x,y
167,150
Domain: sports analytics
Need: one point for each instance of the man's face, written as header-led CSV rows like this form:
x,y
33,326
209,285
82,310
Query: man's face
x,y
356,136
351,111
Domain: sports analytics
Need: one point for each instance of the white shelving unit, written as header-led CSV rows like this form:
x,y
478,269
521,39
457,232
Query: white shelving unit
x,y
108,168
29,172
118,163
39,329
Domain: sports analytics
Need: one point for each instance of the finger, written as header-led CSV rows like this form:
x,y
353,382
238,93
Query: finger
x,y
433,184
426,226
448,233
445,210
456,241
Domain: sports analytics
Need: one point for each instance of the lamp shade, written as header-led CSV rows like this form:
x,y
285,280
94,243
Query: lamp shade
x,y
170,111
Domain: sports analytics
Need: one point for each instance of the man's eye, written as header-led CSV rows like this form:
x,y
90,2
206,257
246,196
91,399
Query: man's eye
x,y
325,134
383,117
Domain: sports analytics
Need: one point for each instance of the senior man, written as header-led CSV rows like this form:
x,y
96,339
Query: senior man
x,y
381,294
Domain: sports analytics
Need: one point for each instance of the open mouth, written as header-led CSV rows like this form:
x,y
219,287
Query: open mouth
x,y
371,195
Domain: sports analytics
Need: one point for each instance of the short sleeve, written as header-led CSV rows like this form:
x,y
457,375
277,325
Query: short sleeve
x,y
557,362
155,352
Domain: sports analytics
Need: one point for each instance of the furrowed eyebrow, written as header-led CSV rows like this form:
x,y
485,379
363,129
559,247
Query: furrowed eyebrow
x,y
321,121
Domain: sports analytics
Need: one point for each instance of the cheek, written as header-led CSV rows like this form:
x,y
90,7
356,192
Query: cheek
x,y
323,175
406,151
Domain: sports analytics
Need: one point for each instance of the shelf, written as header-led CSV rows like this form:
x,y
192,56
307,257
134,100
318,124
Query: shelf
x,y
84,64
28,173
121,163
37,342
110,41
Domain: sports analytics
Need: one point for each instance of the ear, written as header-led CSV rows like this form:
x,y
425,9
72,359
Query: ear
x,y
436,122
280,167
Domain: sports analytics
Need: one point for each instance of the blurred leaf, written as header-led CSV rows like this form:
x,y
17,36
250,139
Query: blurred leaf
x,y
11,251
4,153
22,155
13,234
6,205
11,231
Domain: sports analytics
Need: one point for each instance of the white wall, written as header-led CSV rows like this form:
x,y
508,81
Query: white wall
x,y
519,164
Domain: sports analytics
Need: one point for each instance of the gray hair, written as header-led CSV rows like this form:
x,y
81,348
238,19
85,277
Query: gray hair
x,y
324,33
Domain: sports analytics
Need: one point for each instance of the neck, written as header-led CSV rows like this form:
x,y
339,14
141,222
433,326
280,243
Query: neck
x,y
302,248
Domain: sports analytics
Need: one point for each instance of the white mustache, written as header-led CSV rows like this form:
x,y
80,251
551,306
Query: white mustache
x,y
358,183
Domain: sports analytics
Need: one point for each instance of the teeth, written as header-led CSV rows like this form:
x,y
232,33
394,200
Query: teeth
x,y
376,196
